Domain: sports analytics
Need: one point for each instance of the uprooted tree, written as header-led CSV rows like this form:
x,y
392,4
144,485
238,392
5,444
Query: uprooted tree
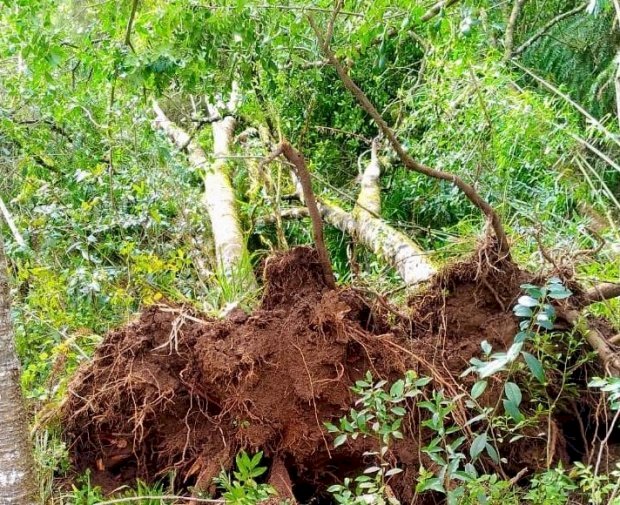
x,y
177,168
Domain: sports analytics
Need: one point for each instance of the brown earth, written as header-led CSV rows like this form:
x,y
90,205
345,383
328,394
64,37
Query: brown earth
x,y
177,392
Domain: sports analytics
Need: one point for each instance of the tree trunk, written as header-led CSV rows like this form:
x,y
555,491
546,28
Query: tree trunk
x,y
367,228
17,484
402,253
219,197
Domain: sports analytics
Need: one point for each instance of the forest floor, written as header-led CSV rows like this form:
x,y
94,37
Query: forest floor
x,y
175,391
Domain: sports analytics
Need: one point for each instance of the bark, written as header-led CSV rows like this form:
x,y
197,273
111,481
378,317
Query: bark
x,y
510,28
219,196
411,164
11,224
17,483
369,197
395,247
601,292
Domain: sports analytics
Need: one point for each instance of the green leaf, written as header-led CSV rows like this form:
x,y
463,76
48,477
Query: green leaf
x,y
513,393
398,411
513,411
340,439
486,347
535,367
527,301
492,452
478,388
396,391
432,484
478,445
522,311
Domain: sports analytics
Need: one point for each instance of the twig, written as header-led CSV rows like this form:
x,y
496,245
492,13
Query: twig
x,y
405,158
604,442
545,28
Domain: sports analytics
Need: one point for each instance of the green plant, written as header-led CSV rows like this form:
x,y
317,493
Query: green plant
x,y
595,486
552,487
444,450
379,417
242,487
488,489
85,493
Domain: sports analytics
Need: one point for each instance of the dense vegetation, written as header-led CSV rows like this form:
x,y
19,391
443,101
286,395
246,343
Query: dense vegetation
x,y
110,217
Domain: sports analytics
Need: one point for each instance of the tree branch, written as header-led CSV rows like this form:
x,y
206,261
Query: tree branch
x,y
132,17
437,8
11,224
510,28
602,292
595,338
544,29
405,158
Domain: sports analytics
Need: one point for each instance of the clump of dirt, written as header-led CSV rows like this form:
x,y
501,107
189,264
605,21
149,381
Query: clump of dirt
x,y
177,392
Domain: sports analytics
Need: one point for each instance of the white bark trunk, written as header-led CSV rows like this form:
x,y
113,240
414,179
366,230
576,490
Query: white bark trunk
x,y
396,248
219,196
17,485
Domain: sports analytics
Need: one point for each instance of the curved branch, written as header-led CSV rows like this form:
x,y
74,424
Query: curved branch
x,y
296,159
544,29
405,158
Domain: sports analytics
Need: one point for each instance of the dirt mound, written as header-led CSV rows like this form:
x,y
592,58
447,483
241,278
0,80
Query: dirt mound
x,y
176,392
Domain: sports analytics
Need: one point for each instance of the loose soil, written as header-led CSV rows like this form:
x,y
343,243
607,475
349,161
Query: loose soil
x,y
177,392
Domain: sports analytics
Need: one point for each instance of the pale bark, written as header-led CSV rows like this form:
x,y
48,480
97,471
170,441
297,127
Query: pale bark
x,y
11,224
365,226
510,28
409,260
17,484
219,196
369,197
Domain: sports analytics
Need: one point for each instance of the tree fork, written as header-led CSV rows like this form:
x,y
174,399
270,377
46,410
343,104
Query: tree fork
x,y
405,158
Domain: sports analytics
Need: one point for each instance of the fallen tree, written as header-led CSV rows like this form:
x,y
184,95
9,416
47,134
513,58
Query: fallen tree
x,y
219,196
366,227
